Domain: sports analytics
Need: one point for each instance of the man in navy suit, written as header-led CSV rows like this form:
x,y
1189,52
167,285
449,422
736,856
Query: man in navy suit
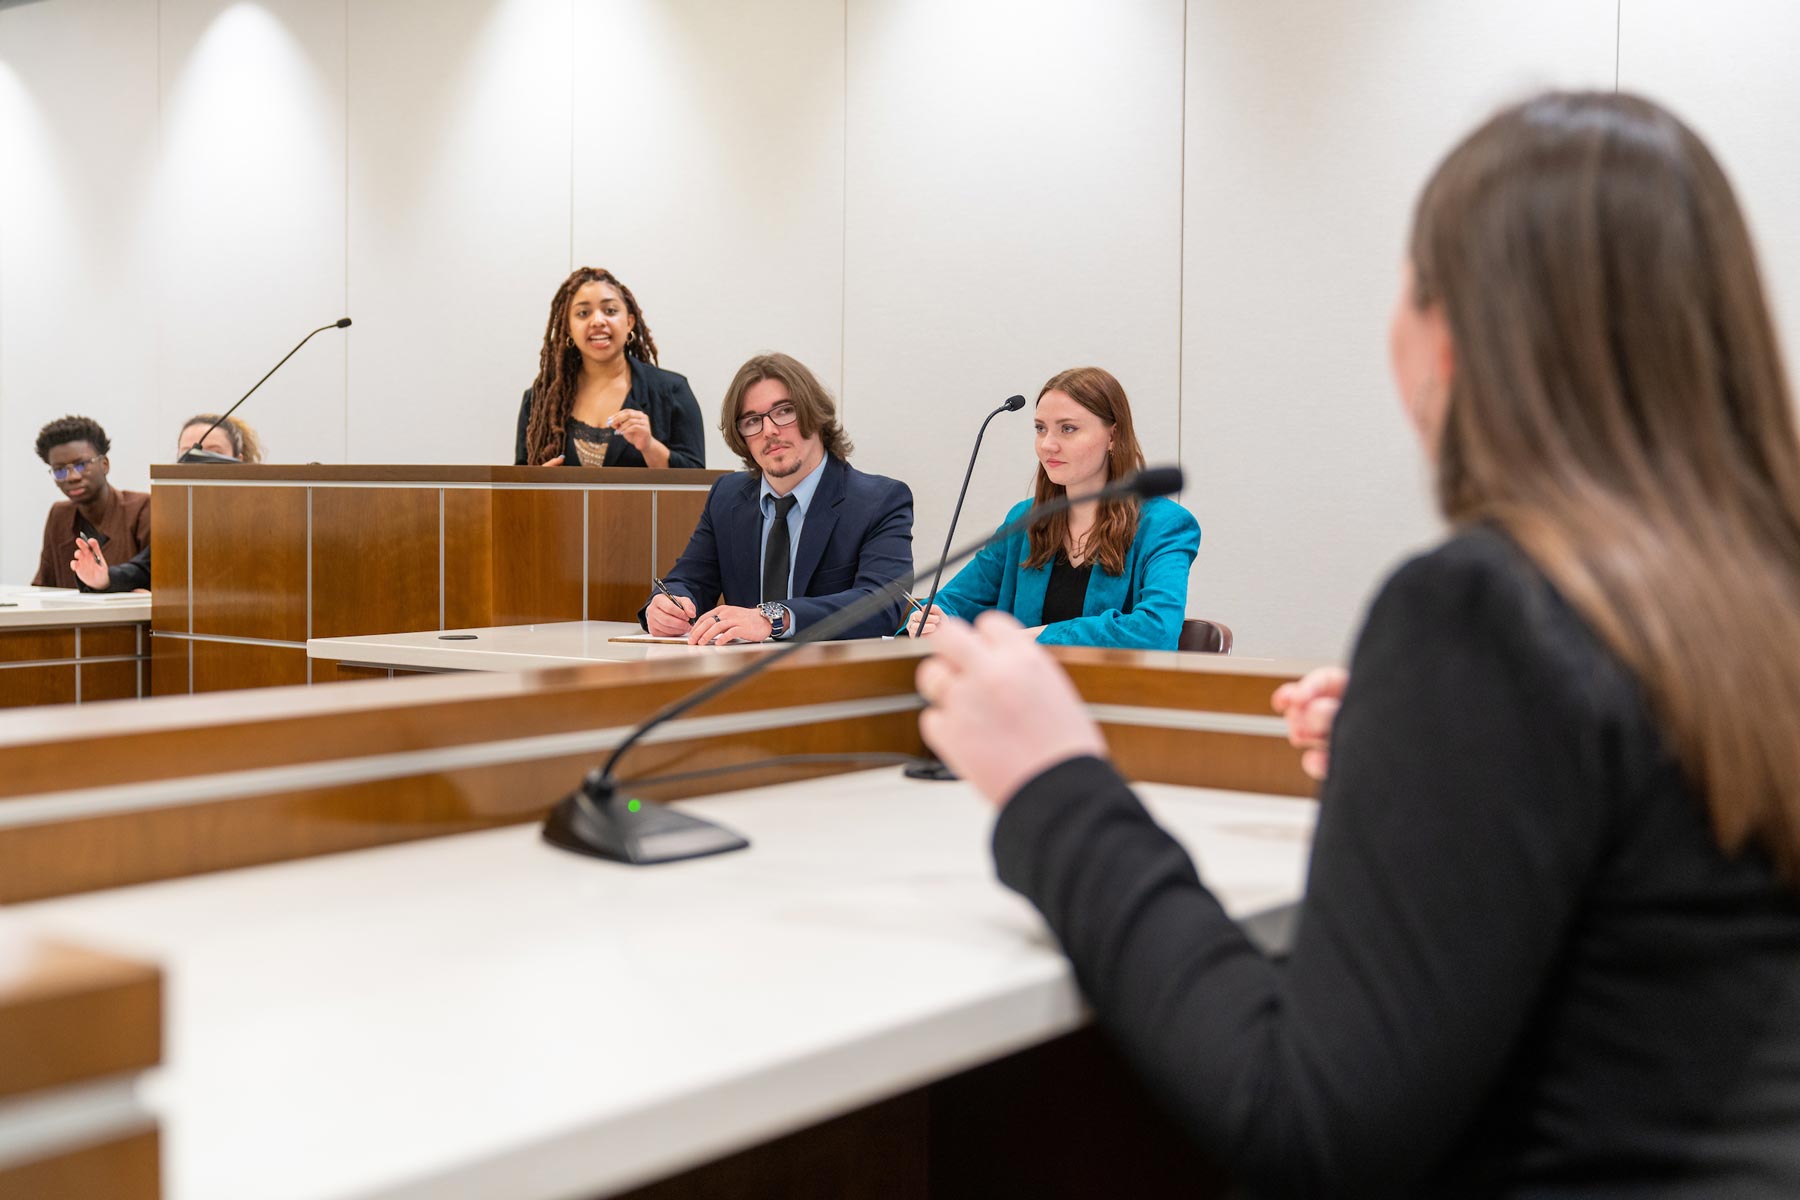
x,y
798,535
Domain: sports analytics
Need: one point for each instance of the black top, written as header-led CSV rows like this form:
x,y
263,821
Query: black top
x,y
1522,967
674,419
1065,593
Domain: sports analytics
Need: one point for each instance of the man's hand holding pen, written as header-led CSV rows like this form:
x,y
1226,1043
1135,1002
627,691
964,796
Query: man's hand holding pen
x,y
669,615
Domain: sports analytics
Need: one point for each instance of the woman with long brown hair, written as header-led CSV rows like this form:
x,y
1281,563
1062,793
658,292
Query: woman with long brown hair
x,y
1551,939
600,398
1114,573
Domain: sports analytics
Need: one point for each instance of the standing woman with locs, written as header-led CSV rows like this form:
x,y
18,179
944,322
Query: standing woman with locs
x,y
599,398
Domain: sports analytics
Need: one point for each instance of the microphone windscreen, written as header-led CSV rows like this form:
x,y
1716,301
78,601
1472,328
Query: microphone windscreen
x,y
1015,403
343,323
1157,481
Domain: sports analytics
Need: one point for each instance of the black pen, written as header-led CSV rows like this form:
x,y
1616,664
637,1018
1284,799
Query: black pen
x,y
673,598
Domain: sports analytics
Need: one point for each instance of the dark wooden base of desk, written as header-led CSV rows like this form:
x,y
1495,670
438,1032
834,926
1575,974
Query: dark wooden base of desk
x,y
1065,1119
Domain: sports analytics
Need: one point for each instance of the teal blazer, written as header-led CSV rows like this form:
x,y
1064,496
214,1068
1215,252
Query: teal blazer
x,y
1140,609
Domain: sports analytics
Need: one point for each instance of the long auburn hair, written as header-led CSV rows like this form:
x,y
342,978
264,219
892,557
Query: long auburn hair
x,y
812,404
559,362
1619,407
1115,525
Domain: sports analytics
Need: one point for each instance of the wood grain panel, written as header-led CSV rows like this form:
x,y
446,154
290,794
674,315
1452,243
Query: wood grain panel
x,y
170,669
329,670
23,687
574,478
676,515
618,554
39,861
468,558
69,1014
137,744
222,666
374,560
127,1168
108,681
537,556
1235,761
1166,679
108,641
33,645
249,547
169,557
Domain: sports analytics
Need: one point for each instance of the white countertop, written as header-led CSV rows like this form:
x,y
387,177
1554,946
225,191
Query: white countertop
x,y
485,1015
37,607
504,647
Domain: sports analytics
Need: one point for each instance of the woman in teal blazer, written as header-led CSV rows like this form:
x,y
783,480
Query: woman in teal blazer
x,y
1113,577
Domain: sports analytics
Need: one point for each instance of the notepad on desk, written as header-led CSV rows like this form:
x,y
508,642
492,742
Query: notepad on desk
x,y
93,599
651,639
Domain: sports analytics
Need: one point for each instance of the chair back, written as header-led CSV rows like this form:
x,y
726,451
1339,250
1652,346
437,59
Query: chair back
x,y
1204,637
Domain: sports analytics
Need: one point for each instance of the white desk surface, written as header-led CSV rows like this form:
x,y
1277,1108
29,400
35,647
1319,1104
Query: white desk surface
x,y
485,1015
504,647
37,607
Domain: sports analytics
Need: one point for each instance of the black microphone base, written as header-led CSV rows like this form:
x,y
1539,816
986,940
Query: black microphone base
x,y
197,455
638,832
930,769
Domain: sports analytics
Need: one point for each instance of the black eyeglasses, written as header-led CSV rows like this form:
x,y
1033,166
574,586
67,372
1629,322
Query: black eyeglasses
x,y
80,467
782,415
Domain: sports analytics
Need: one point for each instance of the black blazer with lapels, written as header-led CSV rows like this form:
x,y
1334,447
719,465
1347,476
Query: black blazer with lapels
x,y
674,419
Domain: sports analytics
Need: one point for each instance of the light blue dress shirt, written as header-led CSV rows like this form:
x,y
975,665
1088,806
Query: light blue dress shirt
x,y
796,520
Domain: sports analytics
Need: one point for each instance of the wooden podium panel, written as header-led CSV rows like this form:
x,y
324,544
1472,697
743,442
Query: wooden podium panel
x,y
252,560
366,572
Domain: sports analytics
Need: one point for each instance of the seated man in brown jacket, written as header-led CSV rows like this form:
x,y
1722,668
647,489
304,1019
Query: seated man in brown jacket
x,y
75,449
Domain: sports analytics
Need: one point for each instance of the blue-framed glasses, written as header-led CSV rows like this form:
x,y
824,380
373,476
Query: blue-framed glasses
x,y
79,467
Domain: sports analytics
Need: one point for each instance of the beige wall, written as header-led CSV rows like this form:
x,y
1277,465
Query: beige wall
x,y
936,203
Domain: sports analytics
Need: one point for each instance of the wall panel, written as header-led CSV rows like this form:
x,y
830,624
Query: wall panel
x,y
249,216
709,176
1014,208
1727,70
459,162
1309,130
77,327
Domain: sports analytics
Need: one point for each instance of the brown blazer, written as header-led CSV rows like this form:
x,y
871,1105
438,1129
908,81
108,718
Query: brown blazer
x,y
126,528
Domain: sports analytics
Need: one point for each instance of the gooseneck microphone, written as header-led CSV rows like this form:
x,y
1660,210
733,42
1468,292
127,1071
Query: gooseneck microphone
x,y
931,768
195,454
594,819
1012,404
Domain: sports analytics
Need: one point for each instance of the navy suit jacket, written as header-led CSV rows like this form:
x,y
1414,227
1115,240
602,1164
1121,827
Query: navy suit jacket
x,y
857,537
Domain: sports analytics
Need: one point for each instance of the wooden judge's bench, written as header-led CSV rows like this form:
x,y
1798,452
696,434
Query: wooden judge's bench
x,y
251,561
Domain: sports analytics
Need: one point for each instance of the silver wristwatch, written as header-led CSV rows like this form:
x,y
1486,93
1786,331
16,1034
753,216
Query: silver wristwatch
x,y
778,616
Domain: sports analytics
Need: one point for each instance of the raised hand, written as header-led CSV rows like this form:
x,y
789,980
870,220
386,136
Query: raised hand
x,y
89,564
1310,705
1000,711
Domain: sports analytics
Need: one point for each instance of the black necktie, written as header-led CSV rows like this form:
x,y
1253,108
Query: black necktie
x,y
776,556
